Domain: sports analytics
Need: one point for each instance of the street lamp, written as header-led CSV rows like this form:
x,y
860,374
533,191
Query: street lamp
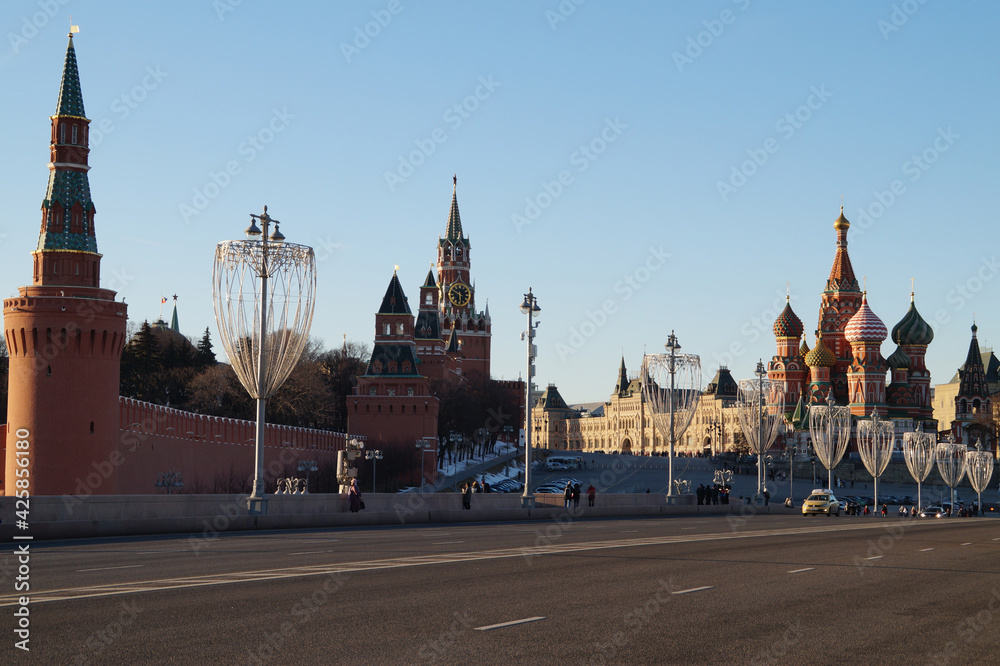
x,y
830,428
980,465
758,420
952,464
671,409
918,450
307,466
263,337
875,438
345,472
423,444
529,307
375,455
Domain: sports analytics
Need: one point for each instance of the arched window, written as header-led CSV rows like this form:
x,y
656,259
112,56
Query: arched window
x,y
400,329
388,329
429,299
74,135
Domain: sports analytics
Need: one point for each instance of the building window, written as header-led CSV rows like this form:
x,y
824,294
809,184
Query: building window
x,y
400,328
371,391
388,329
392,393
409,393
429,299
74,135
62,134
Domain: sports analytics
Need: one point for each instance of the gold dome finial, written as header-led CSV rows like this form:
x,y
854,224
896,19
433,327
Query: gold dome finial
x,y
841,222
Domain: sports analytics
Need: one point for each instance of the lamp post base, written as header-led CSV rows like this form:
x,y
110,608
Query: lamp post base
x,y
527,502
257,506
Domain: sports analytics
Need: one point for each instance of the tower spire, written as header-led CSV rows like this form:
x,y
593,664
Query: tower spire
x,y
454,230
66,254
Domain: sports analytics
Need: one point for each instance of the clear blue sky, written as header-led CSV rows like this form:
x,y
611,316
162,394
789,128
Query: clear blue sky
x,y
644,109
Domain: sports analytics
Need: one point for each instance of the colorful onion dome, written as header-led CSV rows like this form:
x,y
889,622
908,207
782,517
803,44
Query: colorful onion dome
x,y
912,329
788,324
803,348
841,222
865,326
899,359
820,355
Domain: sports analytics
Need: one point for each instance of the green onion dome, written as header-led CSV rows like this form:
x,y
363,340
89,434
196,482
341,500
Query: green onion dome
x,y
912,329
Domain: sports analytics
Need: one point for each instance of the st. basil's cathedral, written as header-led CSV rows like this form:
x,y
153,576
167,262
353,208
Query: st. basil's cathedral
x,y
846,358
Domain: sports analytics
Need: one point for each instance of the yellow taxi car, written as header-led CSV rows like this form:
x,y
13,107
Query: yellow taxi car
x,y
821,501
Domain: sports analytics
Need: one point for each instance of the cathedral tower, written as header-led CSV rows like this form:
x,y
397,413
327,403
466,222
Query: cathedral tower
x,y
64,333
841,300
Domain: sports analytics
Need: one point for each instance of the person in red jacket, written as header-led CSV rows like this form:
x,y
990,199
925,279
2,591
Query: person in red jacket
x,y
591,494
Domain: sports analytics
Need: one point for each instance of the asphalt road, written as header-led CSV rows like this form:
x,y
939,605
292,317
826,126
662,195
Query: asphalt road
x,y
755,589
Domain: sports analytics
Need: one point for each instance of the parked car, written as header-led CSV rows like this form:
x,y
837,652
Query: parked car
x,y
821,501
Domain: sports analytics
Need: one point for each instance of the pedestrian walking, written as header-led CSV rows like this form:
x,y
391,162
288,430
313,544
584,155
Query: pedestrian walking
x,y
576,495
591,494
467,496
568,494
701,493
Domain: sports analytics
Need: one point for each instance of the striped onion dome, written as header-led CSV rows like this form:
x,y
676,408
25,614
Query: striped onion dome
x,y
788,324
865,326
899,359
803,348
912,329
820,355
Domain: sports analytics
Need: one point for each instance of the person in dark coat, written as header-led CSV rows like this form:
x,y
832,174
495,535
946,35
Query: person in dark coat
x,y
701,493
591,494
576,495
354,497
467,496
568,493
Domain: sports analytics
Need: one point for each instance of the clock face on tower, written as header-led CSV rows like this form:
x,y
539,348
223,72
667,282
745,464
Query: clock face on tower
x,y
459,295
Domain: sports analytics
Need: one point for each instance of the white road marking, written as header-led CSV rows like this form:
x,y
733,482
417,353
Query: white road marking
x,y
311,552
445,543
967,543
130,566
876,557
926,550
509,624
694,589
157,552
801,570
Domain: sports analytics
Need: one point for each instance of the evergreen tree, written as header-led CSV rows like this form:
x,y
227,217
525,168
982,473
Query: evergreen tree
x,y
205,357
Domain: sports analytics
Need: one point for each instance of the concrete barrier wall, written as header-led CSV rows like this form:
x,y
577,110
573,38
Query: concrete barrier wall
x,y
206,516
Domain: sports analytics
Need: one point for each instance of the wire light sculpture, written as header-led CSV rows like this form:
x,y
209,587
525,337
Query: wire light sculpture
x,y
263,289
952,464
980,466
919,451
758,406
830,427
875,438
671,386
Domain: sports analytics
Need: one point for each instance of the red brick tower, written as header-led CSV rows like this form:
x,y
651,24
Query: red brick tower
x,y
458,297
392,404
64,333
841,299
913,335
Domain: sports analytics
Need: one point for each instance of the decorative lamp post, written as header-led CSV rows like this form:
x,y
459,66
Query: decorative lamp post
x,y
757,405
980,464
671,409
169,480
375,455
423,444
307,466
830,428
263,334
529,307
875,439
952,464
919,450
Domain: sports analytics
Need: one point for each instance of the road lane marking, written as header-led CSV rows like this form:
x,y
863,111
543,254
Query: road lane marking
x,y
509,624
967,543
330,569
876,557
445,543
311,552
130,566
926,550
694,589
801,570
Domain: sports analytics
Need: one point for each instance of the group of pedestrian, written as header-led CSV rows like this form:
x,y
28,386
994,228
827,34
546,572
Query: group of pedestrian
x,y
717,493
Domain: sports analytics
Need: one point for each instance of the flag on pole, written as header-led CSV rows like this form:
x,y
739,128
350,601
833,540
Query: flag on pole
x,y
163,299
